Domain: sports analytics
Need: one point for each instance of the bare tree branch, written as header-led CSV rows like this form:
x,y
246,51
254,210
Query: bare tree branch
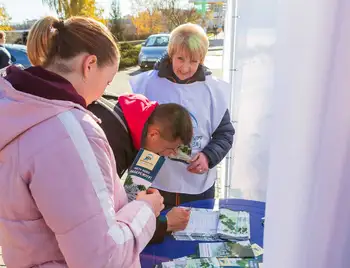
x,y
173,11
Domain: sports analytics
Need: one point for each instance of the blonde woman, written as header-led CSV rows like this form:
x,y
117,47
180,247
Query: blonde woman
x,y
180,77
61,202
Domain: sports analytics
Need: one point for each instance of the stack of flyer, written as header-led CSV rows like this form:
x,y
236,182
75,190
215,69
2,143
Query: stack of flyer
x,y
234,225
202,226
211,263
142,173
240,249
223,254
209,225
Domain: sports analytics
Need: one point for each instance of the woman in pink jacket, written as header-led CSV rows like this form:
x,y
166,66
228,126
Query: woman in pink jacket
x,y
61,203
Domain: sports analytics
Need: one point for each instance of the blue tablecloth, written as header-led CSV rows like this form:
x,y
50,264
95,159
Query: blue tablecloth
x,y
170,248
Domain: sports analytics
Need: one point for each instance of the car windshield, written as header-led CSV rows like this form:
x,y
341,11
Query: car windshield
x,y
157,41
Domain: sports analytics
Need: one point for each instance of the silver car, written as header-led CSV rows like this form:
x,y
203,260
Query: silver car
x,y
153,49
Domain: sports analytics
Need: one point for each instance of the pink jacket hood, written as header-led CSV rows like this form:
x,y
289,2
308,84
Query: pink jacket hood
x,y
50,94
18,113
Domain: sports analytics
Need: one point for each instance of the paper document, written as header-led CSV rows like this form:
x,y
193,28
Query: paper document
x,y
211,263
142,173
210,225
241,249
202,223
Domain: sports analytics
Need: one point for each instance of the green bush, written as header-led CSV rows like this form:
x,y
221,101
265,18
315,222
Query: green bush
x,y
127,62
124,46
129,55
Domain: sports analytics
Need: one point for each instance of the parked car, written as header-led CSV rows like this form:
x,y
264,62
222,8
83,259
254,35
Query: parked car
x,y
152,50
18,54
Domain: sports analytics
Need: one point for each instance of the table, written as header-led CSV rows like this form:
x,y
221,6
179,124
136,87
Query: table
x,y
170,248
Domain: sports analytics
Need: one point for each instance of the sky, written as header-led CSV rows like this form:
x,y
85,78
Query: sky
x,y
21,10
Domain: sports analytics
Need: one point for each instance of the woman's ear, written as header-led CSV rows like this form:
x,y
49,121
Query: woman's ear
x,y
89,64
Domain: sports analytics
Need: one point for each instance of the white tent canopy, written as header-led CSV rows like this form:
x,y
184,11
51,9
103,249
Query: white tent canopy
x,y
250,36
293,139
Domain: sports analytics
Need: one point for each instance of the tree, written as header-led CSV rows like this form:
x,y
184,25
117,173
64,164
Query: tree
x,y
4,19
66,8
147,17
90,9
173,12
177,14
116,22
148,22
145,5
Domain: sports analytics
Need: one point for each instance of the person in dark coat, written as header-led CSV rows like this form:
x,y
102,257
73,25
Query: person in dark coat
x,y
5,56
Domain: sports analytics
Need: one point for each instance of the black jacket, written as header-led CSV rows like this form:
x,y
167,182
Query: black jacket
x,y
5,57
115,127
222,138
118,137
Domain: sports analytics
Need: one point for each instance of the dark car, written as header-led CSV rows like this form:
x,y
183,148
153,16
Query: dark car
x,y
18,54
153,49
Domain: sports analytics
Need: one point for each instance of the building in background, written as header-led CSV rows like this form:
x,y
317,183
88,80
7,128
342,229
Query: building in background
x,y
218,7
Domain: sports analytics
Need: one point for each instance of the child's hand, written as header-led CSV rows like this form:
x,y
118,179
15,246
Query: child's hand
x,y
199,164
